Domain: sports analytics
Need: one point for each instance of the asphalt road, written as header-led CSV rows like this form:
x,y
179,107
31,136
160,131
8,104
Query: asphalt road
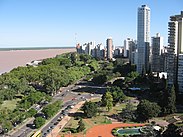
x,y
65,111
69,99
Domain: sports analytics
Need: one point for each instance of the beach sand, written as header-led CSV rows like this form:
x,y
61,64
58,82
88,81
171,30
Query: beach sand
x,y
15,58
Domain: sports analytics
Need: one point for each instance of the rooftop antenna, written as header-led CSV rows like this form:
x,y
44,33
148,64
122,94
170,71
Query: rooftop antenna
x,y
76,38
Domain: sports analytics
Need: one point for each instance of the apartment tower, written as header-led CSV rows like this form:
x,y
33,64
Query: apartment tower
x,y
109,44
175,52
143,39
157,49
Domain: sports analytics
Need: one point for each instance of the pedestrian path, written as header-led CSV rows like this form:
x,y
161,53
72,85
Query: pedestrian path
x,y
64,121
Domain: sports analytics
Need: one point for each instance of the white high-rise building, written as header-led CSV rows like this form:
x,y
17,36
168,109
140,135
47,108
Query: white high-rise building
x,y
126,47
157,49
89,47
175,52
143,39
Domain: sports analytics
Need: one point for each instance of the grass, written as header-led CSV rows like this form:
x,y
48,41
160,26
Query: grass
x,y
72,123
179,124
96,100
171,116
99,119
9,104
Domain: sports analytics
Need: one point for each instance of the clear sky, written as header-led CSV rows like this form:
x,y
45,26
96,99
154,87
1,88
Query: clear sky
x,y
30,23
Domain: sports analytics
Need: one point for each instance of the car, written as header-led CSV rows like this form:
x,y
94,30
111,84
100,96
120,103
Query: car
x,y
91,95
55,123
71,106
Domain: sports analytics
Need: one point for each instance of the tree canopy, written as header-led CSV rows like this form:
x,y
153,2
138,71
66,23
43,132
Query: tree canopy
x,y
39,121
33,84
90,109
147,110
107,100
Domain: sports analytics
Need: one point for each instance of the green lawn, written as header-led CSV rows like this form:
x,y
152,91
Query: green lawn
x,y
99,119
72,123
9,104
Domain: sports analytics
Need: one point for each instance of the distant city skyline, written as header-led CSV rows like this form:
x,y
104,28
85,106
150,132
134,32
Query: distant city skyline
x,y
42,23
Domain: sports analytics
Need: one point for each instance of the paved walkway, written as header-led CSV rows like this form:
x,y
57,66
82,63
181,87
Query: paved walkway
x,y
64,121
160,122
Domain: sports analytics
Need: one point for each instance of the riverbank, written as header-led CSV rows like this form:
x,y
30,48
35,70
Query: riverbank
x,y
13,58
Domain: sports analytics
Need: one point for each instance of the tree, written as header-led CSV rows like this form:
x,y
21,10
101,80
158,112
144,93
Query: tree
x,y
107,100
6,125
117,94
99,79
81,126
74,57
90,109
171,102
31,112
51,109
131,76
147,110
39,121
172,131
168,101
128,113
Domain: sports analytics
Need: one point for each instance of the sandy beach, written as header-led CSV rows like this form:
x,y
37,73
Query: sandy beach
x,y
14,58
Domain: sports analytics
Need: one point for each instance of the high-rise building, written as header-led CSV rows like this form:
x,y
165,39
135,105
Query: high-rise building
x,y
143,39
175,51
89,47
157,49
164,59
126,47
97,51
180,73
109,44
132,50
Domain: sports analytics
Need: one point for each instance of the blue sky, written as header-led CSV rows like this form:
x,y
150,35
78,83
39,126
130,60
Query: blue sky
x,y
30,23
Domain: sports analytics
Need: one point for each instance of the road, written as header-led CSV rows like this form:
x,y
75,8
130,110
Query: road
x,y
69,99
65,111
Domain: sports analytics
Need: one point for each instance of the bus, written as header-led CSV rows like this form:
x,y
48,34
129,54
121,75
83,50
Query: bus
x,y
36,134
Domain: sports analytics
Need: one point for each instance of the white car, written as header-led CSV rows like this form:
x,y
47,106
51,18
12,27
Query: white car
x,y
91,95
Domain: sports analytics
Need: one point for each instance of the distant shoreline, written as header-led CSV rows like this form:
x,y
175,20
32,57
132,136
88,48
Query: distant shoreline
x,y
14,57
33,48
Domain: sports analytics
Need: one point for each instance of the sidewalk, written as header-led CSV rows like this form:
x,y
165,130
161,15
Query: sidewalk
x,y
20,126
64,121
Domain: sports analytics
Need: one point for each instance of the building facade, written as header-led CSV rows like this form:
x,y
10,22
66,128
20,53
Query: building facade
x,y
180,73
143,39
132,50
109,44
126,47
157,50
175,51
